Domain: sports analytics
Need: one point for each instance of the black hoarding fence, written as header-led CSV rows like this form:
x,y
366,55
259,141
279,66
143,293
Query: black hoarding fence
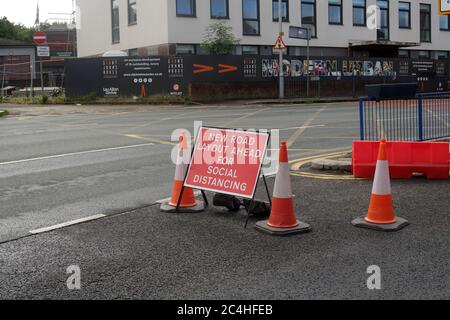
x,y
246,76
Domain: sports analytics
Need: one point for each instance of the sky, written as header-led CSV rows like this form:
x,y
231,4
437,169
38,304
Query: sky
x,y
24,11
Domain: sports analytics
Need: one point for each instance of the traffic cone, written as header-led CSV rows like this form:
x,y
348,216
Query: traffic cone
x,y
380,215
188,202
282,220
143,91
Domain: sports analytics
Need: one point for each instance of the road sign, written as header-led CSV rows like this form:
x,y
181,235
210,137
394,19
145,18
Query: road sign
x,y
227,161
299,33
280,45
444,6
40,38
43,51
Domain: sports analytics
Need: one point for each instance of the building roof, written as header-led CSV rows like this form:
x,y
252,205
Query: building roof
x,y
14,43
370,44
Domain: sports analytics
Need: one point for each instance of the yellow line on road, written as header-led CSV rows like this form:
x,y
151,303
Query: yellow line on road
x,y
140,137
300,131
298,163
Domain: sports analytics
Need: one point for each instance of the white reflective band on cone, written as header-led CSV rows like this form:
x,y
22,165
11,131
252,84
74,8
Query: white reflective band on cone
x,y
382,183
180,170
282,187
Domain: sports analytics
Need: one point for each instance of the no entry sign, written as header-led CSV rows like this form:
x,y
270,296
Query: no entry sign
x,y
227,161
40,38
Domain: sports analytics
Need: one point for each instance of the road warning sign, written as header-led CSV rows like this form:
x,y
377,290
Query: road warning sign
x,y
444,6
280,45
227,161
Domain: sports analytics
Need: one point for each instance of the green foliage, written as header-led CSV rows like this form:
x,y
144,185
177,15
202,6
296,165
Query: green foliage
x,y
219,39
13,31
44,99
10,30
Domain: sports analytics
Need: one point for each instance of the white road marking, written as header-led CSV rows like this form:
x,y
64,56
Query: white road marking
x,y
76,153
67,224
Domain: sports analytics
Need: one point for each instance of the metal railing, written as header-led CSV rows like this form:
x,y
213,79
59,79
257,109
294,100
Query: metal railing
x,y
426,117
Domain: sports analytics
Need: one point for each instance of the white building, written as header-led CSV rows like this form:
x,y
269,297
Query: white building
x,y
165,27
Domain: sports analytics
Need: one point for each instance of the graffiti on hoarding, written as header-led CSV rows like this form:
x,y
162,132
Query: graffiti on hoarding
x,y
368,68
298,68
328,68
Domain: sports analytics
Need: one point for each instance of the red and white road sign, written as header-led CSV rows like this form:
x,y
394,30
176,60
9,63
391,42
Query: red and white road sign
x,y
40,38
227,161
280,45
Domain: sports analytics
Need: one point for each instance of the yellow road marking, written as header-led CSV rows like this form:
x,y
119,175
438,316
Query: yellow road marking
x,y
300,131
140,137
324,176
298,163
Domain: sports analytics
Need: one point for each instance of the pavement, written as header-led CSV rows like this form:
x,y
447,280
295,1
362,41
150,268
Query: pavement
x,y
146,254
109,168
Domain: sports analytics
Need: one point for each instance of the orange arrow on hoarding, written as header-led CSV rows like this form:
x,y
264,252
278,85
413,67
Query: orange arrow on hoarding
x,y
201,68
227,68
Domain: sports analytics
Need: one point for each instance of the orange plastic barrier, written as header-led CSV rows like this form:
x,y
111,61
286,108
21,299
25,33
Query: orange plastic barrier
x,y
405,158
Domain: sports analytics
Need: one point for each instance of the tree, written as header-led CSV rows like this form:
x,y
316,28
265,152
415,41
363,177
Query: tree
x,y
219,39
10,30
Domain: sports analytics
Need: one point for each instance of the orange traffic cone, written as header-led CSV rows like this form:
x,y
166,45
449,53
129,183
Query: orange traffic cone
x,y
282,220
188,202
143,91
381,214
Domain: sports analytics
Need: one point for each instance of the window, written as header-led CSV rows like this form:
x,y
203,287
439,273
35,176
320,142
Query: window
x,y
335,11
444,22
115,22
132,12
359,13
424,54
383,30
284,10
250,16
219,9
250,50
403,53
185,49
309,16
442,55
186,8
133,52
425,22
404,15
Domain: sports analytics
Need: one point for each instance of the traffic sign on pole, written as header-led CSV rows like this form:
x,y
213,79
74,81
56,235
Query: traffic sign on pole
x,y
444,6
40,38
43,51
299,33
280,45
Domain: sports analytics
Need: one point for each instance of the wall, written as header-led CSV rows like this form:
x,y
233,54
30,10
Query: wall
x,y
191,30
158,25
95,35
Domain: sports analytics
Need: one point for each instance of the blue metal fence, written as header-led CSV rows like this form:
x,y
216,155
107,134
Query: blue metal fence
x,y
426,117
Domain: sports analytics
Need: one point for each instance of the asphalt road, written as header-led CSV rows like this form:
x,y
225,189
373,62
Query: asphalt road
x,y
146,254
55,169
